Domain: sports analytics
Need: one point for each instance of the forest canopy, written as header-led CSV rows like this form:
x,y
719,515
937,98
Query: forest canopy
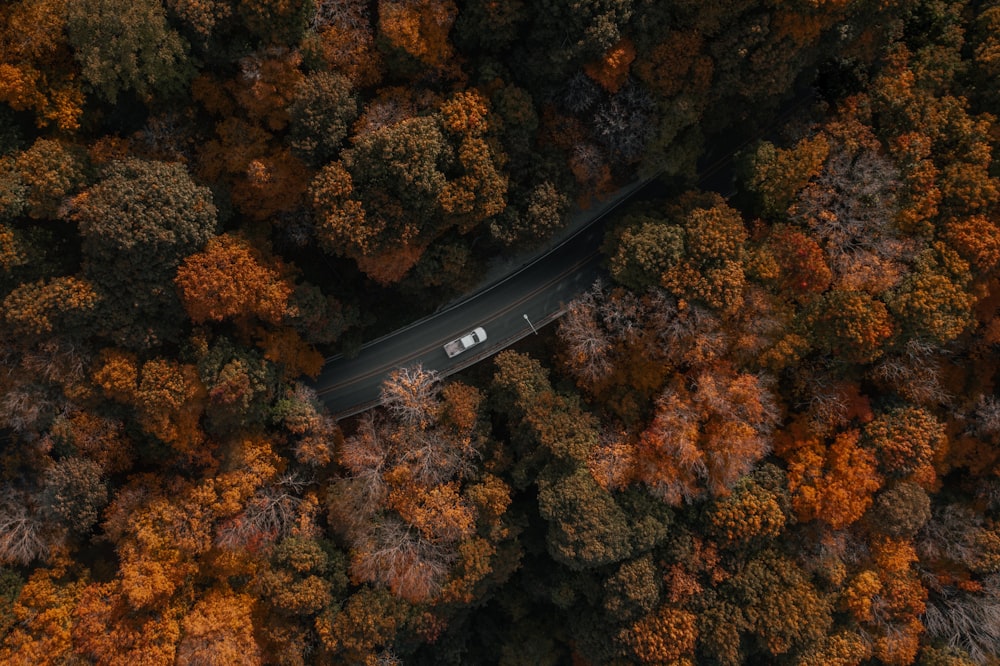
x,y
769,434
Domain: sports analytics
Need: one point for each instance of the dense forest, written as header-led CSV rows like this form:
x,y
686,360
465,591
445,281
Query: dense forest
x,y
770,435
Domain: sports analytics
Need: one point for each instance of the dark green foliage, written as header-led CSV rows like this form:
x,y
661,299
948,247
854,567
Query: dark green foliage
x,y
781,606
901,510
277,22
321,114
573,31
645,248
138,223
586,527
75,493
633,590
126,45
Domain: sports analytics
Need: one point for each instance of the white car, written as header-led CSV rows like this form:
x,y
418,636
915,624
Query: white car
x,y
470,339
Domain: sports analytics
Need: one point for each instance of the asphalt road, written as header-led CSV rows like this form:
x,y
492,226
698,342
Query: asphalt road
x,y
540,290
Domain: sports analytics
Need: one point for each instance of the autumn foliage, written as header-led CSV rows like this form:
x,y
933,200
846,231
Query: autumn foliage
x,y
768,433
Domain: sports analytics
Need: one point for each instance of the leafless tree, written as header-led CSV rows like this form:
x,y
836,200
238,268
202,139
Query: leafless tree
x,y
395,554
410,395
581,93
969,621
267,516
24,534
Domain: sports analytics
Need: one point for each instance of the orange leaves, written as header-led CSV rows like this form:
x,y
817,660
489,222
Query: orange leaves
x,y
833,483
851,324
219,630
803,269
117,373
232,279
706,438
40,308
779,174
977,239
37,71
856,598
438,512
677,63
343,223
750,512
403,506
612,69
108,631
286,348
465,113
663,637
419,28
42,633
168,397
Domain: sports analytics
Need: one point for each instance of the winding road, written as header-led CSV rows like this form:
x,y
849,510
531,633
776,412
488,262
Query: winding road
x,y
532,296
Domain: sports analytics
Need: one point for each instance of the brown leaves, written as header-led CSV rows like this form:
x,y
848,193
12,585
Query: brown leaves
x,y
232,279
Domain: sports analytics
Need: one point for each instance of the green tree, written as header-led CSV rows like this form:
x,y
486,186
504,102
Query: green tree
x,y
783,609
138,223
75,492
644,250
123,45
586,527
321,113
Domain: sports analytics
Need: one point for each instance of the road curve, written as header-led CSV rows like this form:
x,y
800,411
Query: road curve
x,y
533,295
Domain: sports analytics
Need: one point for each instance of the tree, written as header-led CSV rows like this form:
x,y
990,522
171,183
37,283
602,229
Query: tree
x,y
344,41
753,513
782,607
322,110
574,31
37,71
418,28
43,611
906,440
586,527
232,279
777,175
633,590
138,223
106,629
705,438
50,171
850,208
612,69
63,305
711,270
901,510
277,22
25,534
75,493
801,264
931,305
406,504
240,385
850,324
643,251
127,46
832,481
219,629
304,576
666,636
